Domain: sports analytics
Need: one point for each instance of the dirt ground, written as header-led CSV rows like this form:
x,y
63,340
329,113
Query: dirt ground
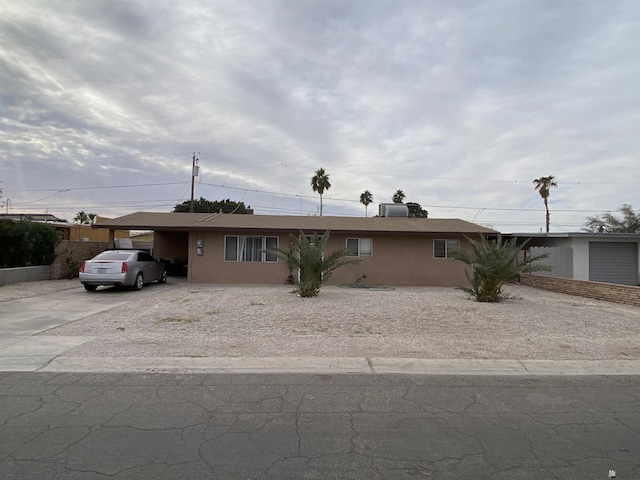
x,y
196,320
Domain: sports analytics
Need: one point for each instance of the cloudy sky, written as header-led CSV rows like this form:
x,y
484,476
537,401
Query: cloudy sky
x,y
460,104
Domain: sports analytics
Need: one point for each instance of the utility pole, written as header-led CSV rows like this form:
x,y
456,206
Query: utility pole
x,y
195,170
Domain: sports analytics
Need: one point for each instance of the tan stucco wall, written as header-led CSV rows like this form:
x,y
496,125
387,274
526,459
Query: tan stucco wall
x,y
171,246
81,232
397,260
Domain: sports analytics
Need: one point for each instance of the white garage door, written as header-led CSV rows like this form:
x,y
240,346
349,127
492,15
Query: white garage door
x,y
613,262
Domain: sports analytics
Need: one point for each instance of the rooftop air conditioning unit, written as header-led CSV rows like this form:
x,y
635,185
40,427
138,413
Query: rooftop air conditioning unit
x,y
393,210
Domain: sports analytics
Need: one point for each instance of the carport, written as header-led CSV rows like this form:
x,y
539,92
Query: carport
x,y
170,242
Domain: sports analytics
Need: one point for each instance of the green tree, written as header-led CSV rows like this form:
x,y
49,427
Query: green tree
x,y
416,211
27,243
543,185
366,198
308,258
205,206
398,197
629,222
495,262
320,182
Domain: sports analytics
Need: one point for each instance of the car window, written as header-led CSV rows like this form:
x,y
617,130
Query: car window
x,y
145,257
112,256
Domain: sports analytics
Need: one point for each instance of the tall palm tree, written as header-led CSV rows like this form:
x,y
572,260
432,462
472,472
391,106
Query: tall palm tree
x,y
543,185
366,198
398,197
320,182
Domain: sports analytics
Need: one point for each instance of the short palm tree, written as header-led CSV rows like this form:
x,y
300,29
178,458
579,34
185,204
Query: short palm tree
x,y
543,185
398,197
309,259
366,198
494,263
320,182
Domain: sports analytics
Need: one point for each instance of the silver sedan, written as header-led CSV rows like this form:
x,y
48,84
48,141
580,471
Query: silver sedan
x,y
132,268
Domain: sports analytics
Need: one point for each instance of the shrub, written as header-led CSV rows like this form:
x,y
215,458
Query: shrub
x,y
308,258
494,263
27,243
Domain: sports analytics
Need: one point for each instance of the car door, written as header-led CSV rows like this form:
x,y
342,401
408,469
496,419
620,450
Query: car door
x,y
148,266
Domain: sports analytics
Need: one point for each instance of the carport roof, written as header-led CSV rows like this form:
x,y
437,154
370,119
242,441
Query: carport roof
x,y
223,221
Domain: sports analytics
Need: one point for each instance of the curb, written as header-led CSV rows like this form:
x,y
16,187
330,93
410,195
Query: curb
x,y
344,365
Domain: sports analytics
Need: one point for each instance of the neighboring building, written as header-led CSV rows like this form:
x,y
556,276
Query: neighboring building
x,y
33,217
70,231
225,248
596,257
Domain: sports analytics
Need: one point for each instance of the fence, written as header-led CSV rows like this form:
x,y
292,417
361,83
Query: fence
x,y
9,276
70,255
609,292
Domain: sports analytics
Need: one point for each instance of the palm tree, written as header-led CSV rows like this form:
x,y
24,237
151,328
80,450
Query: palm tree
x,y
366,198
543,185
320,182
398,197
495,263
309,259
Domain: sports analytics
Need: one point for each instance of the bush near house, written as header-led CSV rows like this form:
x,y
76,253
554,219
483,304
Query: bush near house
x,y
27,243
495,262
312,264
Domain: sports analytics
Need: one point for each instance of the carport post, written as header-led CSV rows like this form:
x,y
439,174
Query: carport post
x,y
112,242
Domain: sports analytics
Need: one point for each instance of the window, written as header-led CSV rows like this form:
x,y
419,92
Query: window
x,y
359,247
441,248
239,248
145,257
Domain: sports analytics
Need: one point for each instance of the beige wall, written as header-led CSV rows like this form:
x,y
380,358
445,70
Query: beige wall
x,y
397,260
171,246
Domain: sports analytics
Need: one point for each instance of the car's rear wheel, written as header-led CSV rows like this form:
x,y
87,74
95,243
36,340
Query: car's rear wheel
x,y
90,288
163,277
138,284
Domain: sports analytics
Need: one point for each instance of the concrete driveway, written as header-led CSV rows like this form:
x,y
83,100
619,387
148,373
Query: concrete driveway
x,y
21,349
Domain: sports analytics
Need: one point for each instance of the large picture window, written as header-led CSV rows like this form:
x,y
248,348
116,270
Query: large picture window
x,y
441,248
240,248
359,247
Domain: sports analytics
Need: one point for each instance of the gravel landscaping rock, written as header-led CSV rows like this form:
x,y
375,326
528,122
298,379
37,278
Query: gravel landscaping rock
x,y
410,322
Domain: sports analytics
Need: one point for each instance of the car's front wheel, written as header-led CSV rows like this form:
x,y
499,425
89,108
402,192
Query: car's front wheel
x,y
139,283
90,288
163,277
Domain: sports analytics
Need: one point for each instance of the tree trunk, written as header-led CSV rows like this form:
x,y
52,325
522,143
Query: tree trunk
x,y
546,206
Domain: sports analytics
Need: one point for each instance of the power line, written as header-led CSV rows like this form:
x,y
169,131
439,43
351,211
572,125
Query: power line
x,y
104,187
449,179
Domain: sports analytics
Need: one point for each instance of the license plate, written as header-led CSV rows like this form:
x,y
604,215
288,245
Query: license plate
x,y
102,270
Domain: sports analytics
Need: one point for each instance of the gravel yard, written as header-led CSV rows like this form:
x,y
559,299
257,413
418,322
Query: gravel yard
x,y
195,320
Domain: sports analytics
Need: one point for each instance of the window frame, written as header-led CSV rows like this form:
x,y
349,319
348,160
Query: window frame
x,y
264,256
447,247
359,252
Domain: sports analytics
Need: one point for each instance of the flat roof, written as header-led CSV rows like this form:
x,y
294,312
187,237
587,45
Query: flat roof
x,y
609,236
289,223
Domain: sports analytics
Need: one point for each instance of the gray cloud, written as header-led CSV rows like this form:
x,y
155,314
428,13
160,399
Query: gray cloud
x,y
459,104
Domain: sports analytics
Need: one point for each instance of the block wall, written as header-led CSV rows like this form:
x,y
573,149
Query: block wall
x,y
68,252
609,292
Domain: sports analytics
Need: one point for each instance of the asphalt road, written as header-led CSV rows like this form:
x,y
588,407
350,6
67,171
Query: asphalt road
x,y
194,426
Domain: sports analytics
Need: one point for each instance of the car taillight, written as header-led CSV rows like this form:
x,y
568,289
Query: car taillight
x,y
82,266
124,267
